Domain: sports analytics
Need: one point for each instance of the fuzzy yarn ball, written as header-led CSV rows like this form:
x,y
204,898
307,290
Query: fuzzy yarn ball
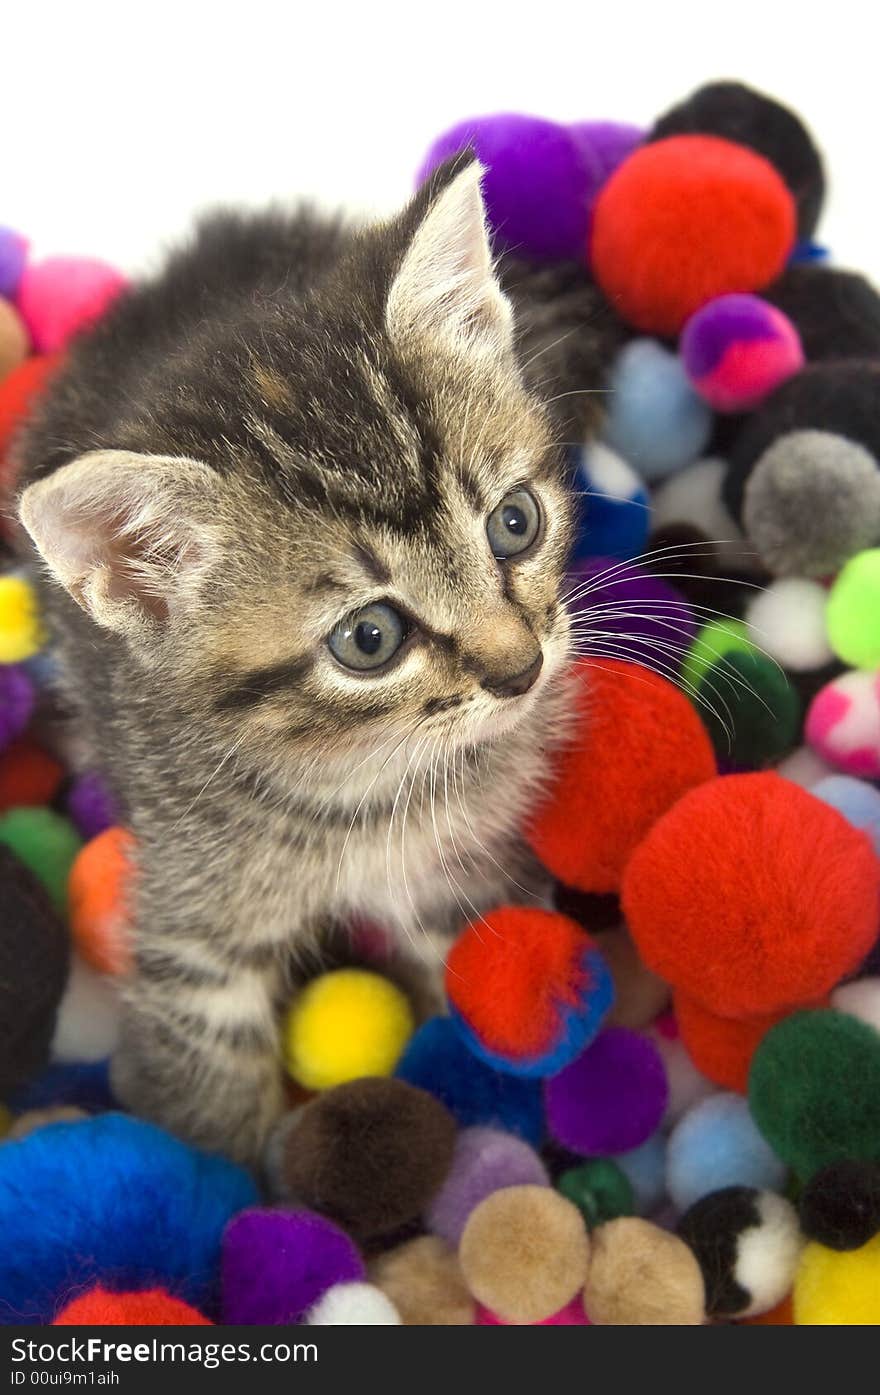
x,y
423,1279
643,1276
154,1307
686,219
721,1047
645,1170
843,724
370,1154
835,1289
716,1145
29,776
277,1264
600,1190
837,312
527,989
779,899
609,1100
613,506
751,711
788,620
622,609
17,701
353,1304
90,804
737,349
717,640
814,1090
688,509
608,143
655,418
345,1024
13,255
748,1244
437,1059
641,747
853,611
524,1253
45,842
485,1161
856,800
539,183
840,1205
125,1198
21,630
97,890
59,296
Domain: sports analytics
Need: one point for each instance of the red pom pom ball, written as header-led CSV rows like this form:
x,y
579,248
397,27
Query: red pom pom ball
x,y
152,1308
751,896
721,1048
684,220
640,747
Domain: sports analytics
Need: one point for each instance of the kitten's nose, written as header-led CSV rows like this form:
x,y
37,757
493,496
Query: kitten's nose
x,y
514,684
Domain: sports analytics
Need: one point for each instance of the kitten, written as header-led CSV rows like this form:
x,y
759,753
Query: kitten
x,y
304,525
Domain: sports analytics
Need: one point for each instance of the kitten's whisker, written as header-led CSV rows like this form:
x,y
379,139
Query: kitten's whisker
x,y
214,773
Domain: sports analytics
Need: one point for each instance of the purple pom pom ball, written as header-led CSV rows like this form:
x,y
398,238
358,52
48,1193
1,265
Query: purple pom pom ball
x,y
623,612
277,1264
737,349
13,255
485,1161
611,1099
608,143
90,805
17,699
539,186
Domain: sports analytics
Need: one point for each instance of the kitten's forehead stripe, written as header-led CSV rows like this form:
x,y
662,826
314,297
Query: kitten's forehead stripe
x,y
258,684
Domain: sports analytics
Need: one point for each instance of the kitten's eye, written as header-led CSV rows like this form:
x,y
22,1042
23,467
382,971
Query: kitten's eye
x,y
369,638
514,525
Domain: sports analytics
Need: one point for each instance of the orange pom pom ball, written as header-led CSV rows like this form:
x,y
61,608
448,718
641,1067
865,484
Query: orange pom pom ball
x,y
152,1308
639,748
684,220
752,896
721,1048
28,776
96,898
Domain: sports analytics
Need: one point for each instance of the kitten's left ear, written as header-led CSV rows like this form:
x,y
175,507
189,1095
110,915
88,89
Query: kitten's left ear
x,y
445,288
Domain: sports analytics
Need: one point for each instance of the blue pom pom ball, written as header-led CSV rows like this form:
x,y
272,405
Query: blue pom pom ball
x,y
856,800
645,1169
437,1060
656,419
112,1199
615,513
717,1144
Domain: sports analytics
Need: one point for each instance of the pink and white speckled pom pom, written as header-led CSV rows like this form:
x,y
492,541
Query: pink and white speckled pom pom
x,y
843,724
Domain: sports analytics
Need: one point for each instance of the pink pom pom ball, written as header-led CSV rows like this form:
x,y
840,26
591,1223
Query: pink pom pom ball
x,y
737,349
843,724
61,295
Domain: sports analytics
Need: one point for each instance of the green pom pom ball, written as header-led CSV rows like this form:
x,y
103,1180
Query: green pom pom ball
x,y
853,613
45,842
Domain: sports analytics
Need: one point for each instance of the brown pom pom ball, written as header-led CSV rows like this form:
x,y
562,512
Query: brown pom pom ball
x,y
423,1280
642,1276
524,1253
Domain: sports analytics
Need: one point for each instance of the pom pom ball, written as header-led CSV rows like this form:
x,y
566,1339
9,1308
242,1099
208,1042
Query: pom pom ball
x,y
656,420
96,891
684,220
788,620
837,312
645,1170
737,349
748,1244
692,499
90,805
524,1253
719,639
28,776
860,998
17,701
125,1198
528,990
370,1190
853,612
614,510
539,182
843,724
34,970
814,1090
21,631
87,1026
803,767
840,1205
639,995
19,391
835,1289
600,1191
13,339
13,255
641,1275
438,1060
608,143
45,842
717,1145
624,610
345,1024
687,1085
353,1305
751,118
150,1308
611,1099
61,295
423,1279
721,1047
779,902
277,1264
751,711
485,1161
641,747
858,802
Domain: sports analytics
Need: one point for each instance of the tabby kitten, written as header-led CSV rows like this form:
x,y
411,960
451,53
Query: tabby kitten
x,y
304,526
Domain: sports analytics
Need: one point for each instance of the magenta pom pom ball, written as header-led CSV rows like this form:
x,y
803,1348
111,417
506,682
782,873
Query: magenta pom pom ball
x,y
611,1099
277,1264
737,349
539,185
62,295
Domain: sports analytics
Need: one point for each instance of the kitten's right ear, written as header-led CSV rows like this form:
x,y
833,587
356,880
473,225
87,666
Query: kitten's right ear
x,y
122,533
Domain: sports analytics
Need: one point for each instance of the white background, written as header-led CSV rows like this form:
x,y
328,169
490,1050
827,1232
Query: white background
x,y
121,120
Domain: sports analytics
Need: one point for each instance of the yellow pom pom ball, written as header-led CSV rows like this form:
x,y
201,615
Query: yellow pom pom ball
x,y
345,1024
838,1288
21,633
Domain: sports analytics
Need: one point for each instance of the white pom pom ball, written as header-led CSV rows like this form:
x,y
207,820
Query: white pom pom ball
x,y
353,1305
788,621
